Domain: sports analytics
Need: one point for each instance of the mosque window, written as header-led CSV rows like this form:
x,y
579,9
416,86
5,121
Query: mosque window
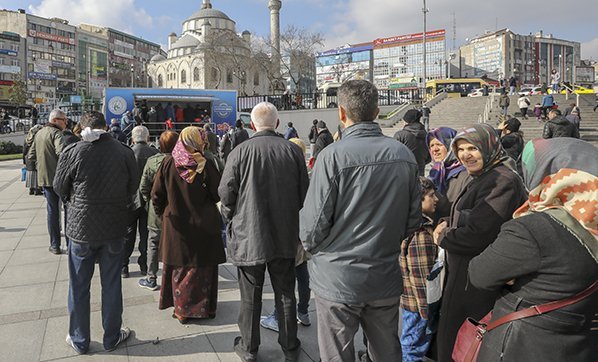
x,y
256,78
160,80
229,76
214,74
196,74
183,76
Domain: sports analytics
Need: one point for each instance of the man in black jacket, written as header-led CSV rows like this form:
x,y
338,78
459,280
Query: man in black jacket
x,y
323,140
413,135
313,135
557,126
239,135
262,190
96,178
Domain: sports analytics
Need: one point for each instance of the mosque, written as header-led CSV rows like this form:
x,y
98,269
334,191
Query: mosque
x,y
209,54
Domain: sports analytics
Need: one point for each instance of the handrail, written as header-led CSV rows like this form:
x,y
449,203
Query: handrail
x,y
485,116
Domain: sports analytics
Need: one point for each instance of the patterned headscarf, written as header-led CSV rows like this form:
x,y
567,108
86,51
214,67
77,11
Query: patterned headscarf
x,y
188,153
485,138
562,175
450,167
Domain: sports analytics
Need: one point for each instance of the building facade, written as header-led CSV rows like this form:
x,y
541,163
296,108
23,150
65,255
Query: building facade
x,y
344,63
12,61
209,54
92,63
530,58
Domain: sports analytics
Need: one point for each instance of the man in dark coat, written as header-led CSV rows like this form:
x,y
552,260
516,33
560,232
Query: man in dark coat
x,y
413,135
262,190
138,217
558,126
239,135
95,178
116,132
324,139
213,142
313,135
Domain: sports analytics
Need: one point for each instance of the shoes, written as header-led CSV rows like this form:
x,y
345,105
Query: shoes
x,y
124,334
31,191
148,283
38,192
303,319
54,250
244,355
70,342
182,320
124,272
269,322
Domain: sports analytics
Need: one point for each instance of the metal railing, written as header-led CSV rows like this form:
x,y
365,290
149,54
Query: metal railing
x,y
15,125
485,116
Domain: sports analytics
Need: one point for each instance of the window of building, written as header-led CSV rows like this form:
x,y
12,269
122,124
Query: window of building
x,y
160,80
183,76
229,76
256,78
214,74
196,74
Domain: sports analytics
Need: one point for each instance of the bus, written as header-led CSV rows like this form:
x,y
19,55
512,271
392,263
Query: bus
x,y
220,105
454,87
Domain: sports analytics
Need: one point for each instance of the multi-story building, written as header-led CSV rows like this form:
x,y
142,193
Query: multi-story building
x,y
530,58
92,61
344,63
12,61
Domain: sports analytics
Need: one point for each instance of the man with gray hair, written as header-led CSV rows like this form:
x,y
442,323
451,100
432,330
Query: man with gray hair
x,y
95,178
354,230
45,149
262,190
140,137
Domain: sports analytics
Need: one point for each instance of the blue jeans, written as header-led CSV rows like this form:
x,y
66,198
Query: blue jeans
x,y
82,259
53,215
414,339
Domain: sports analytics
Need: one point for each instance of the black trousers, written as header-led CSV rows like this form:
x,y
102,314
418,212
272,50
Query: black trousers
x,y
251,282
138,221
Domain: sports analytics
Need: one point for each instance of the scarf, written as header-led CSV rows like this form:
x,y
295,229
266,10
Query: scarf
x,y
485,138
91,135
188,153
562,175
450,167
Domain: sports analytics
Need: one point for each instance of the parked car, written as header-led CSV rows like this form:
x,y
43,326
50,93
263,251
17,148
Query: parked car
x,y
579,90
530,91
246,118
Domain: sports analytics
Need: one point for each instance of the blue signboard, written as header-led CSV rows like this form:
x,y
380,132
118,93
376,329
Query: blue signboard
x,y
38,75
8,52
223,103
76,99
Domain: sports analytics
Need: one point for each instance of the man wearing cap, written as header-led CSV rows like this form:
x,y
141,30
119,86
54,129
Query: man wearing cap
x,y
323,140
413,135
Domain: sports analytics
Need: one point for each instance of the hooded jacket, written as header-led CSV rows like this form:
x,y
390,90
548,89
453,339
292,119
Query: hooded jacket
x,y
413,135
559,127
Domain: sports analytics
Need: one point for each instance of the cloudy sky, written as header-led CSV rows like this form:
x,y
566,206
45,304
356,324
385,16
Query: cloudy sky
x,y
340,21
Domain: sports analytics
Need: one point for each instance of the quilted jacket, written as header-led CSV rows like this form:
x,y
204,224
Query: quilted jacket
x,y
96,180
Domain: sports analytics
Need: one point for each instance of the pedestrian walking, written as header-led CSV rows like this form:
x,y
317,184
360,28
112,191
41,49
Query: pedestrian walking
x,y
185,194
324,139
291,132
413,135
351,229
96,177
503,103
313,136
547,105
167,142
262,190
487,202
545,254
44,152
523,103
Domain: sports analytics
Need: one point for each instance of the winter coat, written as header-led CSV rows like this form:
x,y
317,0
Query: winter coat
x,y
213,142
97,180
548,100
523,103
69,137
559,127
413,135
504,101
313,134
191,234
225,146
118,134
262,190
142,152
513,144
548,263
487,202
352,229
29,163
44,152
145,189
290,133
324,139
238,136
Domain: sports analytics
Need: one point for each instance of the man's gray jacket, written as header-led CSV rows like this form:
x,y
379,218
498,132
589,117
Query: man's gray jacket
x,y
97,180
363,200
262,190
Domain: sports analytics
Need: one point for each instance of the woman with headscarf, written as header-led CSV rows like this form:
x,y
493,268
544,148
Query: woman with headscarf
x,y
479,211
184,194
446,173
549,252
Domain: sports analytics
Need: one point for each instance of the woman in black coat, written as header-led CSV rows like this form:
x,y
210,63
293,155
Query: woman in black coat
x,y
547,253
488,201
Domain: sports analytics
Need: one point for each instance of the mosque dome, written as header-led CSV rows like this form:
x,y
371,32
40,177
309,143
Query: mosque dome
x,y
157,58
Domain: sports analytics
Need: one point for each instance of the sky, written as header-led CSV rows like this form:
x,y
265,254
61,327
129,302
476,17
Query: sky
x,y
339,21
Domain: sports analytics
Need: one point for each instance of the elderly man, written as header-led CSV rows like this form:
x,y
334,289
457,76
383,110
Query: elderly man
x,y
262,190
138,217
364,198
95,178
45,149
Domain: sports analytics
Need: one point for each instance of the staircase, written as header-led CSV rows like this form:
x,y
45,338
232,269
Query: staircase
x,y
458,113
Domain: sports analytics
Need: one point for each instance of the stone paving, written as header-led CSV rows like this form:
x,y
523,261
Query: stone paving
x,y
33,299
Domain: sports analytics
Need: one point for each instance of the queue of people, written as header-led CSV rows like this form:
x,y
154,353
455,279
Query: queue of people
x,y
512,226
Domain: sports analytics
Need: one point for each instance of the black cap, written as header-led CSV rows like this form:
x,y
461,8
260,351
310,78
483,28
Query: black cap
x,y
512,124
412,115
321,124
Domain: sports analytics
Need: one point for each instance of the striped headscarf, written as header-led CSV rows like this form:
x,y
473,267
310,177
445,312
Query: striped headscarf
x,y
562,174
188,153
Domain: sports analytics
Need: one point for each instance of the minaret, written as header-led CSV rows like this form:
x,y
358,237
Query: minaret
x,y
274,6
206,4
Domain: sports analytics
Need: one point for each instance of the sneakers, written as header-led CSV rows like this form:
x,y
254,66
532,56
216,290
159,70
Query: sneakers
x,y
55,251
148,283
269,322
70,342
303,319
124,334
124,272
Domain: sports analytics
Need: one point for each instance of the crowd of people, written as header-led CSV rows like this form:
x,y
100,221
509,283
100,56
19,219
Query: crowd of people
x,y
361,224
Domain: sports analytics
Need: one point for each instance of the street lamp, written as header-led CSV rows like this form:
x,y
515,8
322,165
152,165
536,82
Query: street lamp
x,y
132,75
425,11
